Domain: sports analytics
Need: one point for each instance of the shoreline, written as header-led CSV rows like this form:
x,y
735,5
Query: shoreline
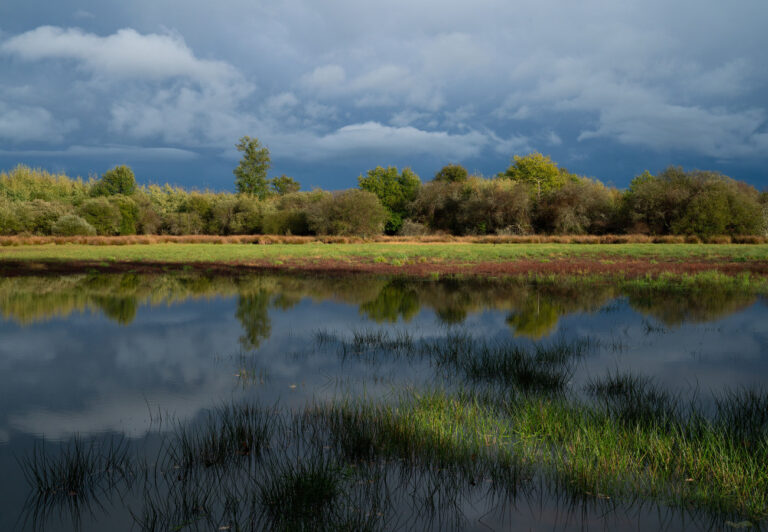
x,y
621,268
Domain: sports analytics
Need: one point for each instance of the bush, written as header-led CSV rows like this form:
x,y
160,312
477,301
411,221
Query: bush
x,y
476,206
129,214
102,215
410,228
235,215
697,202
72,225
395,191
580,206
25,184
118,180
290,213
452,173
9,221
351,212
148,220
38,216
183,223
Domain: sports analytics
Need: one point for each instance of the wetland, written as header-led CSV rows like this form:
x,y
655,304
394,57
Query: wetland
x,y
193,401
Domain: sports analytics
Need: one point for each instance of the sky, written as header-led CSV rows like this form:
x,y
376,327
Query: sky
x,y
607,88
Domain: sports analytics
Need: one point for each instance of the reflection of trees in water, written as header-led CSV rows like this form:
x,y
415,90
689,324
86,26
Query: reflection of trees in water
x,y
699,306
253,314
533,305
123,310
536,319
394,300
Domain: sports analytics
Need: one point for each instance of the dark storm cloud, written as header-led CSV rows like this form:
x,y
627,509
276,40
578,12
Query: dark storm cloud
x,y
335,87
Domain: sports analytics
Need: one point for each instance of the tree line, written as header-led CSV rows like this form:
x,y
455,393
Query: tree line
x,y
534,195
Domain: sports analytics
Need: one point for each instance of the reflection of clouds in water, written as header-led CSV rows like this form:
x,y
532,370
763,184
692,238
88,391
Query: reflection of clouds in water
x,y
183,357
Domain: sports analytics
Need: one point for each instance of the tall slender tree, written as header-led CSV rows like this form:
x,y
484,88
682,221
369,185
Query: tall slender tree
x,y
251,173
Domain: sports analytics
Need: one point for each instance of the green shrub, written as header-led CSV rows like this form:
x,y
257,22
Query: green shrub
x,y
452,173
395,190
102,215
183,223
580,206
148,220
696,202
129,214
38,216
72,225
118,180
232,215
289,213
25,184
475,206
351,212
9,221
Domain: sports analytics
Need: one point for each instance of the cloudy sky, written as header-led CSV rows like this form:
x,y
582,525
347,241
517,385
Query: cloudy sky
x,y
607,88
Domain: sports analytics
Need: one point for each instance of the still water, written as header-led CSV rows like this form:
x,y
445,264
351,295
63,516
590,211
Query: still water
x,y
98,357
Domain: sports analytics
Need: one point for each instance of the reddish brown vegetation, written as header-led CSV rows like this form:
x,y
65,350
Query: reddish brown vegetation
x,y
439,238
627,268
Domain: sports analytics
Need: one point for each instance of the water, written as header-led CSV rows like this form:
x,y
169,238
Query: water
x,y
99,356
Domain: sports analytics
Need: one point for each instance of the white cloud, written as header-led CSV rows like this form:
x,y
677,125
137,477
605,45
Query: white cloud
x,y
376,138
22,123
132,152
125,53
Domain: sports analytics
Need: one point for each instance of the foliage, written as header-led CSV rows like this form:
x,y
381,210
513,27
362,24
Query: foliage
x,y
534,195
289,214
580,206
103,215
235,215
284,185
395,190
351,212
452,173
695,202
538,171
25,184
118,180
72,225
251,173
476,206
129,214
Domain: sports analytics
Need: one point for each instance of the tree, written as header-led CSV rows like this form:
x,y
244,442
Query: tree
x,y
452,173
251,173
118,180
395,190
284,185
538,171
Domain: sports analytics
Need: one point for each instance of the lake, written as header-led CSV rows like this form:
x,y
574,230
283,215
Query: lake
x,y
126,375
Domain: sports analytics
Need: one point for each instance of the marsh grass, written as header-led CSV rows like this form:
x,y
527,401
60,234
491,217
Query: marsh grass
x,y
544,367
72,478
229,433
503,425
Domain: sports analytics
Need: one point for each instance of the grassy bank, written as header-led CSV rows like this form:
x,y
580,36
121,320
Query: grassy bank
x,y
385,253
